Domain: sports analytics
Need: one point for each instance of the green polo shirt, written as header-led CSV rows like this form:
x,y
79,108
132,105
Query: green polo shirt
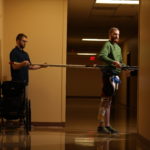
x,y
111,52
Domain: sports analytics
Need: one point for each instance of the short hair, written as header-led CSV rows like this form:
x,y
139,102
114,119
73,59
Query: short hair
x,y
20,36
112,29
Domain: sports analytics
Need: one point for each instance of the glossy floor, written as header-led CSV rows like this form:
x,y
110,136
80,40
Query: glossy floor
x,y
79,133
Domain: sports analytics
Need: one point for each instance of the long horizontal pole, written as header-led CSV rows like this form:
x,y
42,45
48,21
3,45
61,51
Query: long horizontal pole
x,y
85,66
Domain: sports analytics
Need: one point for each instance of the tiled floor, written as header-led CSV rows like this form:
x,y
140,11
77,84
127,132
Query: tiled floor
x,y
79,133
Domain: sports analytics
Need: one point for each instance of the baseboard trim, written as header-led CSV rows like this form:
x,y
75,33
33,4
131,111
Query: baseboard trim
x,y
143,141
60,124
94,97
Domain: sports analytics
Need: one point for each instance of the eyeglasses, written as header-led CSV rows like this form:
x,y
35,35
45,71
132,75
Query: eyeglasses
x,y
24,41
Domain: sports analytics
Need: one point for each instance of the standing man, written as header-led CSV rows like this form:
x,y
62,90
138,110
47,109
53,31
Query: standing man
x,y
20,61
111,55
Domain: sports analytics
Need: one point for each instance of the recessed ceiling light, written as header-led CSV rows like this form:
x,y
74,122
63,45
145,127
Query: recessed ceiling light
x,y
102,40
135,2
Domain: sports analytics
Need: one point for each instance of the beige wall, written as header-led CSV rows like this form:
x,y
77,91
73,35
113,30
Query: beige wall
x,y
122,95
1,18
133,50
144,73
83,82
130,46
1,35
45,23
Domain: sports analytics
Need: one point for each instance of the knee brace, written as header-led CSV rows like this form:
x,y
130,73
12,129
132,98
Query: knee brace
x,y
115,81
104,104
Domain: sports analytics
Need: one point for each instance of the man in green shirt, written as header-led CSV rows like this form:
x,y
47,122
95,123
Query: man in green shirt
x,y
111,55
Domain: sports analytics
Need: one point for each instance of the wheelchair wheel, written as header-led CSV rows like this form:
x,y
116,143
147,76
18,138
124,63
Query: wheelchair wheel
x,y
0,124
29,115
27,119
1,119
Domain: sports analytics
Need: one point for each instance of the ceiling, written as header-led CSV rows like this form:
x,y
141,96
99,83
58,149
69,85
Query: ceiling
x,y
90,20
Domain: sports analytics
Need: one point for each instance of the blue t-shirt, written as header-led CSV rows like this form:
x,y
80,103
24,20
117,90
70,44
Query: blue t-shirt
x,y
22,74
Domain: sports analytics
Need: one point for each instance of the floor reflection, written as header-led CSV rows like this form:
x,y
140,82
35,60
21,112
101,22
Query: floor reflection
x,y
50,138
79,133
15,140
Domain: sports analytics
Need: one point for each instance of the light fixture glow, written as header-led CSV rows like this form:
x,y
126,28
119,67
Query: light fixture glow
x,y
85,141
87,54
134,2
101,40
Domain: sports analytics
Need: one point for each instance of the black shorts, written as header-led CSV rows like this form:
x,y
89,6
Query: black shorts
x,y
108,89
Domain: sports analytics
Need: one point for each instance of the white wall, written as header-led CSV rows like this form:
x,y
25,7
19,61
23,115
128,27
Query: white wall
x,y
144,73
45,23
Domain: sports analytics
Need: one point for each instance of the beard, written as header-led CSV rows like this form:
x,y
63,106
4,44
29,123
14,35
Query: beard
x,y
116,40
22,46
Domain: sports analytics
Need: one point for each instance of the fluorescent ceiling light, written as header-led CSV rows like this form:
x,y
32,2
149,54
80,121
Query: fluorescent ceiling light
x,y
136,2
87,54
102,40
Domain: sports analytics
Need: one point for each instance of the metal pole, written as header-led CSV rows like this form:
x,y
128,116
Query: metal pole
x,y
85,66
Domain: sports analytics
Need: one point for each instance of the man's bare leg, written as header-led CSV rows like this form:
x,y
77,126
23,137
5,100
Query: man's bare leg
x,y
107,118
102,115
107,114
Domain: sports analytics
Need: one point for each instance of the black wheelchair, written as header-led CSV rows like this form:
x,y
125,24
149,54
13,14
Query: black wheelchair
x,y
15,105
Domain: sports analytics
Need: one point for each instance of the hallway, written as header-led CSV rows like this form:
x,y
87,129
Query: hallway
x,y
73,32
82,115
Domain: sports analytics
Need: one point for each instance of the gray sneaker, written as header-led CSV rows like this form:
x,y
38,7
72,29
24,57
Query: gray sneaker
x,y
103,130
111,130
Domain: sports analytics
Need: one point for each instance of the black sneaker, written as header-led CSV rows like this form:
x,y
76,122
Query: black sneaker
x,y
111,130
103,130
